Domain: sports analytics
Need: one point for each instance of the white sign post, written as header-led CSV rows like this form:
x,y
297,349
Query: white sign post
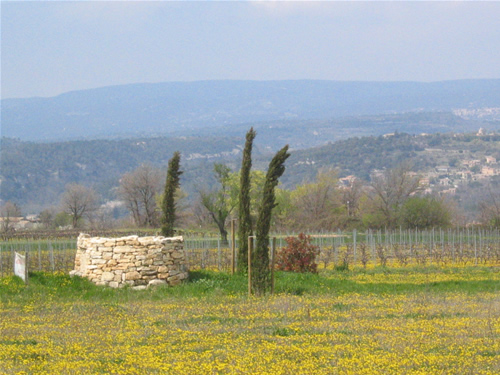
x,y
20,266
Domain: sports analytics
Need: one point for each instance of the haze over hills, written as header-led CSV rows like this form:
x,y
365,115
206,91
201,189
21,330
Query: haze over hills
x,y
210,107
94,136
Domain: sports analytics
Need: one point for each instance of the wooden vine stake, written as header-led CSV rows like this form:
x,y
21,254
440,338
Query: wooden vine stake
x,y
250,248
273,251
233,246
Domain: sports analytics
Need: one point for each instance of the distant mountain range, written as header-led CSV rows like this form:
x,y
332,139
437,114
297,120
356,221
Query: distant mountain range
x,y
211,107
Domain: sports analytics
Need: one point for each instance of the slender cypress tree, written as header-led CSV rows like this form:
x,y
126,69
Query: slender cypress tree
x,y
261,274
168,204
245,220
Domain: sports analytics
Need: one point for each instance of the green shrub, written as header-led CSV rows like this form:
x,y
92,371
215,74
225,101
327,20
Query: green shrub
x,y
298,256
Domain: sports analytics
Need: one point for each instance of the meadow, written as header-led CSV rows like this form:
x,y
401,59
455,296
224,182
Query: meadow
x,y
417,319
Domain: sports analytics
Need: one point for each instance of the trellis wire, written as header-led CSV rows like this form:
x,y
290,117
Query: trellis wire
x,y
468,246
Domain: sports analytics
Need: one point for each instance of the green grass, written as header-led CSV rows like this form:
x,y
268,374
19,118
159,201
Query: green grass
x,y
210,284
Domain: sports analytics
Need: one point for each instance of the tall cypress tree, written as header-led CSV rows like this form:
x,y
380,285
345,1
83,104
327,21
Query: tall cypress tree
x,y
168,204
245,220
261,274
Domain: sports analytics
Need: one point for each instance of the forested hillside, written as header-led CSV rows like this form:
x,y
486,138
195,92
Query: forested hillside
x,y
361,156
34,175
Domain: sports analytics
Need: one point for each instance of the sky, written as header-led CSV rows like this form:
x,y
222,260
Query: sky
x,y
51,47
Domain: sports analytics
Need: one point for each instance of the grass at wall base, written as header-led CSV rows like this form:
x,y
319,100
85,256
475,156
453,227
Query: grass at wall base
x,y
383,320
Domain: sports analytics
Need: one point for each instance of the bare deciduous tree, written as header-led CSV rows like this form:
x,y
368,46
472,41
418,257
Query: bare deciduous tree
x,y
490,208
78,200
351,196
220,203
316,204
138,190
392,189
8,211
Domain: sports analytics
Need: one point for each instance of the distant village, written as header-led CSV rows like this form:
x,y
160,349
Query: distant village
x,y
447,178
442,179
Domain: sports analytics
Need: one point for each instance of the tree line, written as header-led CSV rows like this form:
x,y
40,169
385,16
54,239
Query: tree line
x,y
322,202
391,199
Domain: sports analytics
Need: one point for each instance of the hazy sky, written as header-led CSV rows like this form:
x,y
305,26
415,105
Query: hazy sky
x,y
50,47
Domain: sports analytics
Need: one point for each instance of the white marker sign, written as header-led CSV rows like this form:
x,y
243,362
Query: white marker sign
x,y
20,266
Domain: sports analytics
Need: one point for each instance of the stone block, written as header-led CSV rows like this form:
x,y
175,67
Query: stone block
x,y
148,272
107,276
157,282
97,241
122,249
177,254
134,275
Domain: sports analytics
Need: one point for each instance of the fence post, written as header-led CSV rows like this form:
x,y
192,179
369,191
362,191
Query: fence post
x,y
218,254
233,246
475,249
480,243
51,256
273,250
186,254
26,266
354,245
39,257
250,247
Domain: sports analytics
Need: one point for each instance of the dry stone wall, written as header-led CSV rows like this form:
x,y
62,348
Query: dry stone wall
x,y
135,261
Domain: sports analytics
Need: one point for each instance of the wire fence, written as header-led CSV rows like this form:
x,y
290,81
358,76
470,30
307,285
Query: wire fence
x,y
339,249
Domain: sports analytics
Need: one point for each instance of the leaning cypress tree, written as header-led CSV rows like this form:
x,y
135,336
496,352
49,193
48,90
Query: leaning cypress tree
x,y
261,274
168,203
245,220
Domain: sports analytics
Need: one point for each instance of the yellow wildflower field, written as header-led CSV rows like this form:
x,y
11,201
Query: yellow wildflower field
x,y
410,322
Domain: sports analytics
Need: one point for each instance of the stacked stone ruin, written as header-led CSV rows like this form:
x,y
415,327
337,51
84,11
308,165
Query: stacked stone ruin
x,y
135,261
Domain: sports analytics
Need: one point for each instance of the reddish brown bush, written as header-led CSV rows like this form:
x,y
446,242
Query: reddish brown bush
x,y
298,256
